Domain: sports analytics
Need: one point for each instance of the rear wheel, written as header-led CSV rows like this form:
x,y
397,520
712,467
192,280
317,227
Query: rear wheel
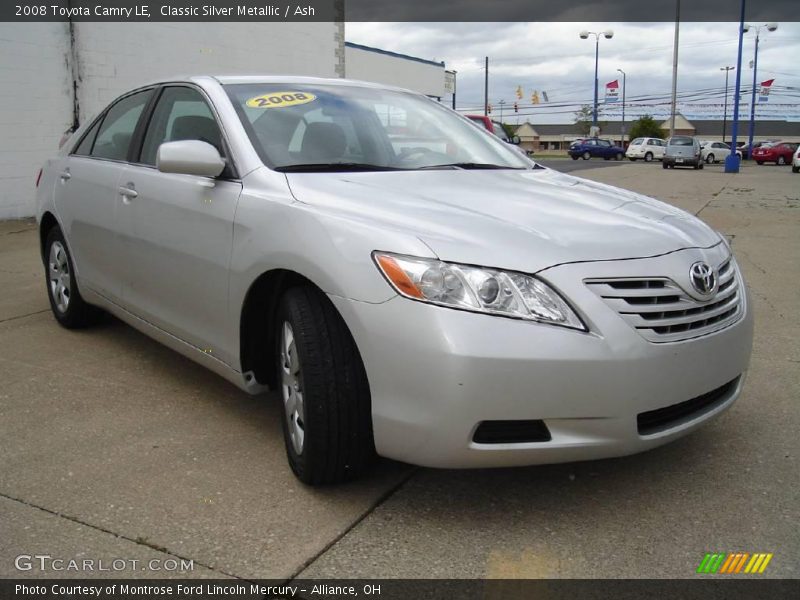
x,y
795,169
586,156
648,157
68,307
700,165
760,162
327,420
781,160
619,156
664,165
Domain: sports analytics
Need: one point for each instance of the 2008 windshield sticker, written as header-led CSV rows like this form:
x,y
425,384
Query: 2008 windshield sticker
x,y
280,99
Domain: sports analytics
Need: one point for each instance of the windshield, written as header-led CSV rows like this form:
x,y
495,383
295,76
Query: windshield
x,y
309,127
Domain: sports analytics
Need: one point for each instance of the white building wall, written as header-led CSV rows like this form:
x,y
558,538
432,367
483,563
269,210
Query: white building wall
x,y
38,62
367,65
35,106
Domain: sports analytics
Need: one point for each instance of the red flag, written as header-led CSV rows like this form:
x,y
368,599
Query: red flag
x,y
615,84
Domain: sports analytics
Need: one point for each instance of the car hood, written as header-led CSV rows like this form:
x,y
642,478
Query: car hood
x,y
521,220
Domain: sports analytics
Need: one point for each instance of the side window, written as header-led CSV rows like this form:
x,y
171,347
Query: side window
x,y
116,132
85,147
181,114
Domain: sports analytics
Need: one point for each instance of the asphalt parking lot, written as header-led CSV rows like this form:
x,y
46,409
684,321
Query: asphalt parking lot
x,y
115,447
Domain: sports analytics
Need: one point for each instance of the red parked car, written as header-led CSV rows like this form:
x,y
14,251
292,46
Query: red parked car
x,y
780,153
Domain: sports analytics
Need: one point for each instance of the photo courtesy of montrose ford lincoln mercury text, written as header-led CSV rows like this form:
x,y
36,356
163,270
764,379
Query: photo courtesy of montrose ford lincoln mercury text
x,y
410,285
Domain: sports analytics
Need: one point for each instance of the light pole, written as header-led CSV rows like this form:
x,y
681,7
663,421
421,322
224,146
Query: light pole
x,y
732,160
725,111
745,29
608,34
624,77
501,103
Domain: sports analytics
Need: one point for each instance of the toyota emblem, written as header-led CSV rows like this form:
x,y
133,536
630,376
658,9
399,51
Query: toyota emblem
x,y
704,279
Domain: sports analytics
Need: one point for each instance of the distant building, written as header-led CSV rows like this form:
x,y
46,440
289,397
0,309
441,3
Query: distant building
x,y
391,68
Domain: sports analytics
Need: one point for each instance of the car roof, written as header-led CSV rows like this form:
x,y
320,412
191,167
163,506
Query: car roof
x,y
274,79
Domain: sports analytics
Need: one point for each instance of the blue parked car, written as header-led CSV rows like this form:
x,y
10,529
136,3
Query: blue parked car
x,y
592,147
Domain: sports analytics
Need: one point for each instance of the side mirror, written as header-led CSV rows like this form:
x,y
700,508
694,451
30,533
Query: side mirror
x,y
189,157
515,140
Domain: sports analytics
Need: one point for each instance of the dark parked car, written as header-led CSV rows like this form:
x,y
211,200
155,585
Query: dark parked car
x,y
780,153
593,147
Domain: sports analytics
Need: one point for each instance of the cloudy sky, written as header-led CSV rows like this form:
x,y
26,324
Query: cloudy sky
x,y
551,57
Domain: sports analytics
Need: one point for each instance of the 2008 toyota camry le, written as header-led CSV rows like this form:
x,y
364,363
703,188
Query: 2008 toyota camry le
x,y
412,286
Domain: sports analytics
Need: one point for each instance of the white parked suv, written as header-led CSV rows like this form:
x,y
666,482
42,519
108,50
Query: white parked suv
x,y
796,161
713,152
646,148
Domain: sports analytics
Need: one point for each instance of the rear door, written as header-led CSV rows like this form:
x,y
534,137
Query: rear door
x,y
179,228
87,194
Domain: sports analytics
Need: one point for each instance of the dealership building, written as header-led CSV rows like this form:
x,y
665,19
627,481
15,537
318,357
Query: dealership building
x,y
55,74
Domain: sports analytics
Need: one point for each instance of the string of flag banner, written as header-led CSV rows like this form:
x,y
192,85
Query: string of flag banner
x,y
612,91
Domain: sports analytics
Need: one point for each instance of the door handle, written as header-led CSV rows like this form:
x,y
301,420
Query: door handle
x,y
64,175
128,192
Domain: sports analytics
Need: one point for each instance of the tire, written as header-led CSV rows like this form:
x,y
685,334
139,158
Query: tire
x,y
700,165
575,157
795,169
619,156
648,157
586,156
328,435
664,165
69,308
781,161
630,158
710,159
760,162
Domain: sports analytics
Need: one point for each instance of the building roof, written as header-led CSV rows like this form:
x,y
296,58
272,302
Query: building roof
x,y
711,128
394,54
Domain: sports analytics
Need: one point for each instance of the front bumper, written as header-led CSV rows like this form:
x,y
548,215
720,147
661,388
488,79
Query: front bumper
x,y
436,373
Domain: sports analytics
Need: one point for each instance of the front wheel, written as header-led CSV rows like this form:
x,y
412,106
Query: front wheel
x,y
795,169
575,157
664,165
630,158
710,159
327,419
68,307
760,162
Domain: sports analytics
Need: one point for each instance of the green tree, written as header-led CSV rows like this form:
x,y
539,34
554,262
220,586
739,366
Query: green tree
x,y
583,119
646,126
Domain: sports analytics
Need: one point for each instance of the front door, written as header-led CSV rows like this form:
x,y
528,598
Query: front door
x,y
180,229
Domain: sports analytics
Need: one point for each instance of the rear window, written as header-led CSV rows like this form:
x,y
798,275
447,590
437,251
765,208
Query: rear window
x,y
681,141
637,141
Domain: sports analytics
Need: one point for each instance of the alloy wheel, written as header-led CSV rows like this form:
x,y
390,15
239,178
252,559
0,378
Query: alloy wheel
x,y
291,388
59,275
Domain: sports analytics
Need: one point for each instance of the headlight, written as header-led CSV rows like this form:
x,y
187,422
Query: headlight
x,y
476,289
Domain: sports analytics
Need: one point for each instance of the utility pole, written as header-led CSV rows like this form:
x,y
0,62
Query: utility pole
x,y
675,68
486,89
725,111
455,73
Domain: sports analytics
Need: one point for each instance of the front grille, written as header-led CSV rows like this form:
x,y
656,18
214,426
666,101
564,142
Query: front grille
x,y
662,312
661,419
511,432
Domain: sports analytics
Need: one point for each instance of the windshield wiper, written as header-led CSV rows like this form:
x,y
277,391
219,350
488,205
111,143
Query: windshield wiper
x,y
468,165
334,167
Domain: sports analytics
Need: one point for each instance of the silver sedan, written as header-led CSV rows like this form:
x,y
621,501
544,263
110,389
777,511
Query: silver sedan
x,y
410,285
